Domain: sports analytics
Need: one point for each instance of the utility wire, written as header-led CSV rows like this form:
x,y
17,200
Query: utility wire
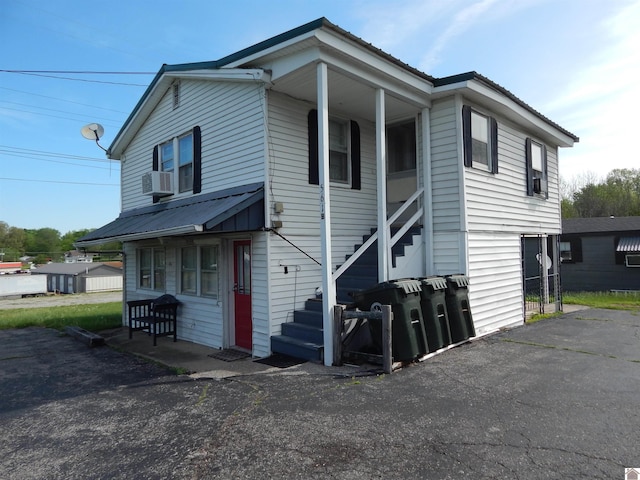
x,y
64,100
76,79
60,182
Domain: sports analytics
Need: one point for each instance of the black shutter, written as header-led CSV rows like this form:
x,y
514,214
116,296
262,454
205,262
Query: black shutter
x,y
197,160
355,156
576,249
527,154
312,120
155,167
494,145
466,135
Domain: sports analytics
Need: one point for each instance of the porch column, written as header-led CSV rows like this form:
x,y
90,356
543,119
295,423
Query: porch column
x,y
328,284
384,237
544,278
427,204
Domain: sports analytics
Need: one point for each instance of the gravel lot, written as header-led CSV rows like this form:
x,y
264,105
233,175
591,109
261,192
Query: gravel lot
x,y
60,300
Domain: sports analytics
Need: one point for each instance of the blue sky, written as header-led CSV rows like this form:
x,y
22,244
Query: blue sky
x,y
576,61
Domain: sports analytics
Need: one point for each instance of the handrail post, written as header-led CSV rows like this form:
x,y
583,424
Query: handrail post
x,y
338,327
387,339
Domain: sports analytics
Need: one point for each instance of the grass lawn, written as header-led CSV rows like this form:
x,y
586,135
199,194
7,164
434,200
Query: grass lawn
x,y
610,300
92,317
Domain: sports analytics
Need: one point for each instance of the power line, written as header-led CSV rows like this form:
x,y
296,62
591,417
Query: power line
x,y
51,154
84,119
76,79
60,182
64,100
48,109
78,72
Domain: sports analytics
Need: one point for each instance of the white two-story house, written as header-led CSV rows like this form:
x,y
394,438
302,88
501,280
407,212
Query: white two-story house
x,y
248,181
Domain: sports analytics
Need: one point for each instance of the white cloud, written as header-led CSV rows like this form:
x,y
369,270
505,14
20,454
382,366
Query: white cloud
x,y
598,104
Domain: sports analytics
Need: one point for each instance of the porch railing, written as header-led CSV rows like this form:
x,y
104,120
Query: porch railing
x,y
394,239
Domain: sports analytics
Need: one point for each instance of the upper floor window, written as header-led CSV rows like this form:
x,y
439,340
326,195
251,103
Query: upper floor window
x,y
401,147
480,138
344,151
151,268
338,151
182,156
536,158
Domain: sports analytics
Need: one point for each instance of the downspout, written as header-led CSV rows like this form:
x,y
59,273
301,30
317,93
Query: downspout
x,y
328,284
463,240
268,202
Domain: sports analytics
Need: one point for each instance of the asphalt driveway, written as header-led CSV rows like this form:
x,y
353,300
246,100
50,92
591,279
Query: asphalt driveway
x,y
556,399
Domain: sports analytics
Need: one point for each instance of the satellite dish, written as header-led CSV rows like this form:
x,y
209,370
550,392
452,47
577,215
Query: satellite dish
x,y
93,131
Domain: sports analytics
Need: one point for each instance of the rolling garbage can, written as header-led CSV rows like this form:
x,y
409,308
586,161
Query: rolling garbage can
x,y
409,339
434,312
458,309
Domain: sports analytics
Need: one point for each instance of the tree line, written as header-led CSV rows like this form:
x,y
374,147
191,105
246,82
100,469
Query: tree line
x,y
617,194
45,244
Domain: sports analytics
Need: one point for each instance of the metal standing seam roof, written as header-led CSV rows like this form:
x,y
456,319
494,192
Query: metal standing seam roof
x,y
189,215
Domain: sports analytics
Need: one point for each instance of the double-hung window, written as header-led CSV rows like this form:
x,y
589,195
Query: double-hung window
x,y
536,158
480,138
183,147
182,156
151,268
199,270
338,151
344,151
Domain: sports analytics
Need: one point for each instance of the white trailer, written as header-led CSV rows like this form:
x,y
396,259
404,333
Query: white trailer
x,y
22,285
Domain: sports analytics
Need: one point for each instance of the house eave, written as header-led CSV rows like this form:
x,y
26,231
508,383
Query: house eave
x,y
163,80
485,92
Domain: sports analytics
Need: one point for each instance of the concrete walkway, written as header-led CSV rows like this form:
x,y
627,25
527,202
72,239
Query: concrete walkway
x,y
554,399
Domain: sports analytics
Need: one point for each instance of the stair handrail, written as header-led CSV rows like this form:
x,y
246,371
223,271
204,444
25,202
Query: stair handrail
x,y
358,253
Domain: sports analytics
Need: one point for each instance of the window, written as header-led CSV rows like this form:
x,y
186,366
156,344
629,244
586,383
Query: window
x,y
199,271
570,249
185,168
338,152
480,137
181,155
151,268
536,158
344,151
632,260
176,95
401,147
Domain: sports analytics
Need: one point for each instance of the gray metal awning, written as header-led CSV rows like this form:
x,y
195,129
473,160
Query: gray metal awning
x,y
628,244
230,210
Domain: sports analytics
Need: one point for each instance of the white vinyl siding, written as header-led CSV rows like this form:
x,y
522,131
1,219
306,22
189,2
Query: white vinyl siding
x,y
446,162
495,272
500,202
230,116
353,212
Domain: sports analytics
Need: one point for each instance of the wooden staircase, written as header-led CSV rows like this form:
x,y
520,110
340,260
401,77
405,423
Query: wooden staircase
x,y
303,337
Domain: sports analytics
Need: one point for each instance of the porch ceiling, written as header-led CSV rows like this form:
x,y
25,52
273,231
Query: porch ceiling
x,y
347,95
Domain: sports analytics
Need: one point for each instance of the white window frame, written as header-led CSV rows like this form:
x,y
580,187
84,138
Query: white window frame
x,y
481,132
154,269
340,149
635,257
180,185
198,288
564,248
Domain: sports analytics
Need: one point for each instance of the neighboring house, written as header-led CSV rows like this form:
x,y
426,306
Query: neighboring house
x,y
74,256
81,277
247,182
10,267
600,254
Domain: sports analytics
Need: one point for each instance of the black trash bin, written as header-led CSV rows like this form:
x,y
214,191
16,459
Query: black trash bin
x,y
458,309
434,312
409,339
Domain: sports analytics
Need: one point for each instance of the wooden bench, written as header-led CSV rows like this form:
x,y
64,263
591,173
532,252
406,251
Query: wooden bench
x,y
157,316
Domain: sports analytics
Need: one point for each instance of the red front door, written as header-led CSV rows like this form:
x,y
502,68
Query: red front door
x,y
242,293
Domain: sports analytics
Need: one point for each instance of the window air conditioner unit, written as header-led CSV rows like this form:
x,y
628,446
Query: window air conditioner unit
x,y
157,183
539,185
